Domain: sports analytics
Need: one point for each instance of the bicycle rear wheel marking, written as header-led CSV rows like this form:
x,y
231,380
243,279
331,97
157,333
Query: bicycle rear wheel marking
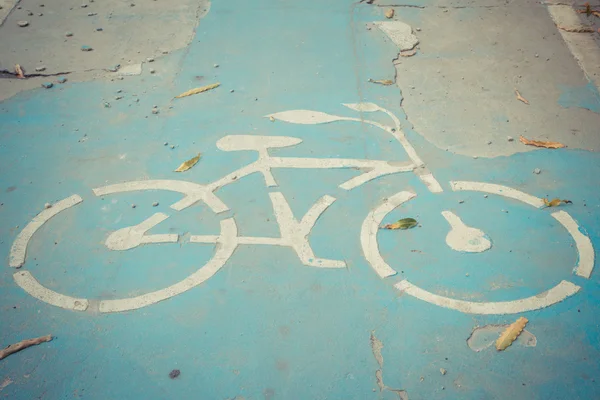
x,y
584,244
29,284
499,190
19,247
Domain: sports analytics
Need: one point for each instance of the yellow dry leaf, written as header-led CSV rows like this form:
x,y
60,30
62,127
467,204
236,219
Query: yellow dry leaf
x,y
198,90
511,333
385,82
188,164
521,98
555,202
539,143
19,71
389,13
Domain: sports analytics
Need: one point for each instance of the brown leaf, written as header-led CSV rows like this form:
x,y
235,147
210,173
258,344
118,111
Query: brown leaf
x,y
19,71
539,143
198,90
555,202
521,98
408,53
385,82
405,223
389,13
188,164
511,333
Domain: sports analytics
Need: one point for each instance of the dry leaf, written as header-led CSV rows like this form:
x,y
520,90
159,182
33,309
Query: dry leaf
x,y
408,53
521,98
19,72
405,223
555,202
389,13
511,333
385,82
539,143
596,13
575,30
198,90
188,164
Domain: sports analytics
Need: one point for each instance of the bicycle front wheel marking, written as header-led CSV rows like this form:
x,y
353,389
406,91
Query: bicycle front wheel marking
x,y
552,296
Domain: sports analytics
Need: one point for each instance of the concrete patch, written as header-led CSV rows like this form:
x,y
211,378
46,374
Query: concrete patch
x,y
484,337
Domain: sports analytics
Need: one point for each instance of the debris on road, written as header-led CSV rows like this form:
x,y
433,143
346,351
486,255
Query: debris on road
x,y
19,72
174,374
86,48
443,371
47,85
403,224
537,171
23,24
198,90
510,138
23,344
539,143
385,82
511,333
555,202
155,204
40,68
188,164
521,98
271,118
408,53
47,206
68,34
155,110
389,13
483,337
61,79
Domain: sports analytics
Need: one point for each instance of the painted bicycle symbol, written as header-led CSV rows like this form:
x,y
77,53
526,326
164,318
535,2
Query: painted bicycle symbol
x,y
294,232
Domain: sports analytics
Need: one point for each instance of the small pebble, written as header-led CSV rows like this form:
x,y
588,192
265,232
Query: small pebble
x,y
475,157
47,205
155,111
41,5
505,211
152,70
165,143
120,91
485,196
47,85
99,29
83,5
461,201
133,206
510,138
29,13
442,370
61,79
106,105
86,48
150,59
40,69
69,34
40,14
231,91
489,142
118,97
155,204
132,5
22,24
174,374
418,29
536,55
114,68
467,275
216,65
172,146
537,171
92,14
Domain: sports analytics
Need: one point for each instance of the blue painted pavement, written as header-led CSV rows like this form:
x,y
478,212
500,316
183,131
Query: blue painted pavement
x,y
265,326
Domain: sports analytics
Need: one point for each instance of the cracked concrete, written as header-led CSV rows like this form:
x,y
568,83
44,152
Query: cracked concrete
x,y
116,31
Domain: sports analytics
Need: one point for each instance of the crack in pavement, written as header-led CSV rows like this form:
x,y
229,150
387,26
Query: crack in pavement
x,y
376,347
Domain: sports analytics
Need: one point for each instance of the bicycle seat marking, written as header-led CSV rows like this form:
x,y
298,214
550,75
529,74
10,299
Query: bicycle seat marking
x,y
294,232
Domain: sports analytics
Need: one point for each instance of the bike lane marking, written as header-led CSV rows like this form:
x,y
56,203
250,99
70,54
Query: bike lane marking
x,y
584,244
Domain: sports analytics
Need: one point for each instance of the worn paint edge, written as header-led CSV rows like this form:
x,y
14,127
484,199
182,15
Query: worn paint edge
x,y
584,244
18,250
557,294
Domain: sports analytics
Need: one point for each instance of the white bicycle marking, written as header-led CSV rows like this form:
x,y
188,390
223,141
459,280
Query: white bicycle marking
x,y
557,294
133,236
370,227
222,254
19,247
499,190
584,244
465,238
29,284
294,234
